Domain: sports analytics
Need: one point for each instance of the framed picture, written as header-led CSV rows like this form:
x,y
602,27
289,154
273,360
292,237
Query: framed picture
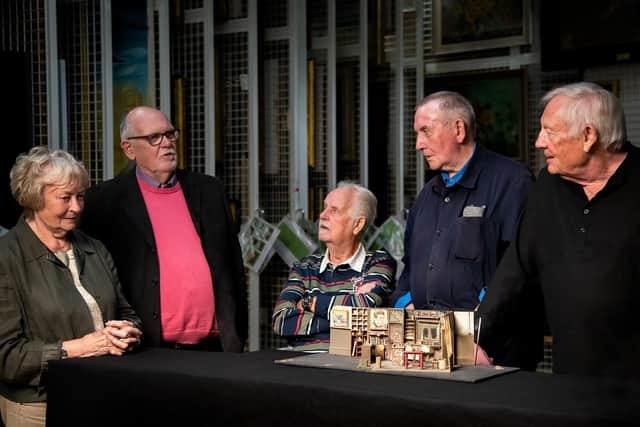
x,y
131,73
499,100
340,317
257,239
378,319
464,25
293,243
396,315
390,236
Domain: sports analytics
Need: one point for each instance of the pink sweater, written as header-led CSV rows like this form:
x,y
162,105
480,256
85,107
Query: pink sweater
x,y
186,288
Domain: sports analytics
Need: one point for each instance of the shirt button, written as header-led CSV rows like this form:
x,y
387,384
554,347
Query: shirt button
x,y
586,211
582,229
155,314
447,199
430,266
437,232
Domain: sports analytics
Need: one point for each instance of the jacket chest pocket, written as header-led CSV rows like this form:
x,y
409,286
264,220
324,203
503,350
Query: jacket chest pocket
x,y
470,238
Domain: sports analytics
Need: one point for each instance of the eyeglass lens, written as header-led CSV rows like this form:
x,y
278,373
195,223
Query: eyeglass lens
x,y
156,138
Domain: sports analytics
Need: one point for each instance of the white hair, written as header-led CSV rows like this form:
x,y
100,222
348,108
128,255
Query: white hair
x,y
591,104
366,203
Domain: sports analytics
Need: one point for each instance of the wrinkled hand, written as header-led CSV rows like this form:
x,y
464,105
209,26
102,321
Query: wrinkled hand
x,y
122,334
116,338
365,288
93,344
310,307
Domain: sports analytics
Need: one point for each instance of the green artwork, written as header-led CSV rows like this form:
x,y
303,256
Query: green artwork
x,y
293,243
498,101
389,236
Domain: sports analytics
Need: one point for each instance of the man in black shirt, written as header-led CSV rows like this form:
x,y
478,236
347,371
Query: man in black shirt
x,y
575,255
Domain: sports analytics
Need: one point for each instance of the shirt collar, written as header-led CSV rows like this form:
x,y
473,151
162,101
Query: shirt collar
x,y
156,184
453,180
34,248
618,178
356,262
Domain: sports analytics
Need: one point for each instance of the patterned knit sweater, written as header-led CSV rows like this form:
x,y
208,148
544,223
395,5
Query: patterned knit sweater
x,y
309,330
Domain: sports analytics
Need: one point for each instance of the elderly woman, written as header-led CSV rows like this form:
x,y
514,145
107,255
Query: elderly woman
x,y
59,292
344,275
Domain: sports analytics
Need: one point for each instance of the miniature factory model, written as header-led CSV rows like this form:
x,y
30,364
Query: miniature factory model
x,y
394,339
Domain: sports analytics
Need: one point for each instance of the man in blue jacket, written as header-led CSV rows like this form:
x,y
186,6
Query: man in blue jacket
x,y
464,217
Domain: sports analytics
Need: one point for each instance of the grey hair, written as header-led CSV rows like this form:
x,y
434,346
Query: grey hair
x,y
126,124
591,104
366,203
39,168
455,106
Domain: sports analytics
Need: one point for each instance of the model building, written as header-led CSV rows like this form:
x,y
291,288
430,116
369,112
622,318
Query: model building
x,y
392,338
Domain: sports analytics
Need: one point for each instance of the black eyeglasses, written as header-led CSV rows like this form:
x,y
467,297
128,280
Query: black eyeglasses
x,y
156,138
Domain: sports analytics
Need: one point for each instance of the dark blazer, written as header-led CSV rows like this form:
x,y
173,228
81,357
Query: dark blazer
x,y
116,214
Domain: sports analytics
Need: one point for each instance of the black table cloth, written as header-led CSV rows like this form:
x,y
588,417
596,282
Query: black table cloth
x,y
168,387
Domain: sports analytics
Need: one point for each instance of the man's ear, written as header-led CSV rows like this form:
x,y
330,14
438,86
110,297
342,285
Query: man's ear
x,y
589,138
360,223
460,130
127,148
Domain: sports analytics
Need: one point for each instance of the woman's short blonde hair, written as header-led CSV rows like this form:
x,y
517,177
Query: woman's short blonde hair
x,y
39,168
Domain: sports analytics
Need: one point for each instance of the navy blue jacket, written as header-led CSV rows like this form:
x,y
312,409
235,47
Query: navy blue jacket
x,y
451,252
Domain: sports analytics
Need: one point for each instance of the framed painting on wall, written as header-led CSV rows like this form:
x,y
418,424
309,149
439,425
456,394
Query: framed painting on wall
x,y
131,79
464,25
499,100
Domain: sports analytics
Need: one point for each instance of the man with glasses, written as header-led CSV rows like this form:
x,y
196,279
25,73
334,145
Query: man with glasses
x,y
464,216
173,241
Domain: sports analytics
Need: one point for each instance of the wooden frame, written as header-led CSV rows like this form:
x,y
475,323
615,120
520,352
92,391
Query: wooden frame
x,y
462,25
257,238
500,103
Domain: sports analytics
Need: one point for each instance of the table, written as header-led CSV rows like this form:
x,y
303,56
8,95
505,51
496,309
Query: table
x,y
161,387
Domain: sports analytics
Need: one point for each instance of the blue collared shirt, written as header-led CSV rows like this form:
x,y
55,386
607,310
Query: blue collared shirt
x,y
453,180
152,182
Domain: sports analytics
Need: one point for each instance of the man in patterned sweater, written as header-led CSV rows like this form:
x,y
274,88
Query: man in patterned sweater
x,y
346,274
